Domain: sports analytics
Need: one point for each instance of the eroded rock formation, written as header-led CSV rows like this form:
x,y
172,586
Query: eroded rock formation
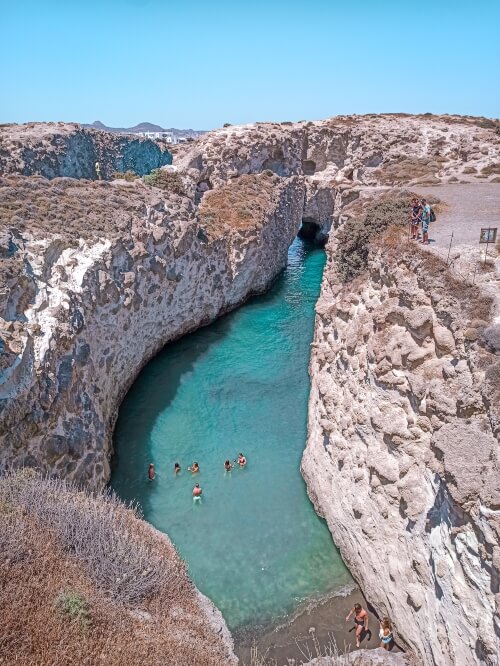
x,y
70,150
82,313
403,456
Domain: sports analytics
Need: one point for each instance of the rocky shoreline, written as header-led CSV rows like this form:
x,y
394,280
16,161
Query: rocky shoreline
x,y
98,276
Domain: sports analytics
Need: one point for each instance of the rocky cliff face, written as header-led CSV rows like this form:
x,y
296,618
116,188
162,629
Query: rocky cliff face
x,y
338,155
402,457
69,150
82,315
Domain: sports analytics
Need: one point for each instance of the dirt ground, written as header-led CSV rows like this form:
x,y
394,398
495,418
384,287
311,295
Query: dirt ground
x,y
469,207
294,640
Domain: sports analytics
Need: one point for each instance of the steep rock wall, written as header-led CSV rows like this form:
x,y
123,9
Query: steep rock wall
x,y
402,457
68,150
100,307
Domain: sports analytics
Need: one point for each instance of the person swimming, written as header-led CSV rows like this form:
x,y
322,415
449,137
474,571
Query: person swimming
x,y
177,469
151,472
197,491
242,461
194,469
227,466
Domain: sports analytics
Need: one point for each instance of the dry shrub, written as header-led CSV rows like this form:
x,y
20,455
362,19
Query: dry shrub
x,y
54,609
491,169
490,337
169,181
129,176
97,529
354,237
406,169
240,204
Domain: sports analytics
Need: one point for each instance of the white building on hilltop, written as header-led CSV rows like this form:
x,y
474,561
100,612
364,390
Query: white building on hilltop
x,y
166,136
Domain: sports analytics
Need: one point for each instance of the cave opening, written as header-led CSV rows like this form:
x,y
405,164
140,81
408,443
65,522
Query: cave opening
x,y
311,231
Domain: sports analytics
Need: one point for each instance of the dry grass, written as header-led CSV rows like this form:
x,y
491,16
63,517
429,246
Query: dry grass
x,y
56,607
328,655
68,207
240,204
408,168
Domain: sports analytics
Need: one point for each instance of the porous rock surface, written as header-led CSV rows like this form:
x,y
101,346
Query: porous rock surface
x,y
70,150
339,155
81,314
403,457
96,277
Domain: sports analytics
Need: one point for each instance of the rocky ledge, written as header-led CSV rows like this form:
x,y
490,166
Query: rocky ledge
x,y
403,457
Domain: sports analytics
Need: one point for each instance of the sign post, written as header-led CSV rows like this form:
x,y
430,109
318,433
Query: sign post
x,y
488,235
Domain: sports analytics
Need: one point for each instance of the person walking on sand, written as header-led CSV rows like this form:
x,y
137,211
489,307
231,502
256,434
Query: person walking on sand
x,y
385,634
151,472
425,216
98,170
197,491
360,621
416,210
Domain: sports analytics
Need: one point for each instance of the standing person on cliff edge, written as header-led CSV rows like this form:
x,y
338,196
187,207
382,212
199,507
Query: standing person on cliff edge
x,y
426,218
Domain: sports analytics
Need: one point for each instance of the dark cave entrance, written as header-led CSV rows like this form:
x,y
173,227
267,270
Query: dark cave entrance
x,y
310,230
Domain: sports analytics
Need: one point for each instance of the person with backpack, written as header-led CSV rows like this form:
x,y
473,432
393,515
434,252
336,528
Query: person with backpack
x,y
416,210
426,217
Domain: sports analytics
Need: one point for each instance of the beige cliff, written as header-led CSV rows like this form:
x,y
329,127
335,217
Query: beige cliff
x,y
403,456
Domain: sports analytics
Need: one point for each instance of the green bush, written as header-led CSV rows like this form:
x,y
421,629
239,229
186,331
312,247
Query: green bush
x,y
75,607
169,181
354,237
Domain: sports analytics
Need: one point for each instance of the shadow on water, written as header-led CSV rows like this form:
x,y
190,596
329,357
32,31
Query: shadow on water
x,y
255,545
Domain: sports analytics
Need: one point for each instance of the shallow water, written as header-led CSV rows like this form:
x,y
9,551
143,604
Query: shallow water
x,y
253,544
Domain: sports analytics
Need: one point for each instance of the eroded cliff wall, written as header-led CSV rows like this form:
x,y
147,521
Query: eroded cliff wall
x,y
70,150
402,457
81,316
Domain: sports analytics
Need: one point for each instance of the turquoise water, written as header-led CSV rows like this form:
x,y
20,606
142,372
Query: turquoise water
x,y
254,544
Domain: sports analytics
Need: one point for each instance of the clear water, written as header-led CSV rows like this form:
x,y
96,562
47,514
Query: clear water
x,y
254,544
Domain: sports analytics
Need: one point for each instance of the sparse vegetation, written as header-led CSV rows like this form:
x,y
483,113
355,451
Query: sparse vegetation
x,y
58,605
237,205
74,606
169,181
354,237
129,176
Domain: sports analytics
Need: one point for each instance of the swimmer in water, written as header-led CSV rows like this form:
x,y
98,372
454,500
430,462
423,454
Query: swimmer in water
x,y
177,469
194,469
197,491
242,461
151,472
227,466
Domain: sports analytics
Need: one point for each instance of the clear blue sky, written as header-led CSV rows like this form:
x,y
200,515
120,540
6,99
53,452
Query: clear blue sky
x,y
200,64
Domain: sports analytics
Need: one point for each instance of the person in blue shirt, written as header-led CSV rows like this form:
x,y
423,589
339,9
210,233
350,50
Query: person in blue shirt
x,y
425,216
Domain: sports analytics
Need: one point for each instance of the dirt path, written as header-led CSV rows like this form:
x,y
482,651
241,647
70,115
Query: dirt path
x,y
469,207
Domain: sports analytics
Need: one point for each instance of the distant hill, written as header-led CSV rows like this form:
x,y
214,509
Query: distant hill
x,y
145,127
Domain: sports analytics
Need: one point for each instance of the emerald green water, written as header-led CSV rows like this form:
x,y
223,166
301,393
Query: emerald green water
x,y
254,544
